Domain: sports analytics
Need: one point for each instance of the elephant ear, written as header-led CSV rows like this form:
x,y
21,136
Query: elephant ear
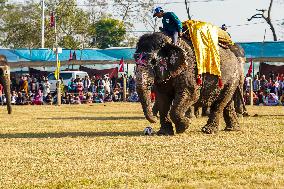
x,y
174,57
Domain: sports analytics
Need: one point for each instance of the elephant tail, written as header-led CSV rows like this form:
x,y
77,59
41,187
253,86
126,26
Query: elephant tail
x,y
239,102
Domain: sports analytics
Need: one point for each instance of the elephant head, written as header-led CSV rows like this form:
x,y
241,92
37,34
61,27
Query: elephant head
x,y
158,61
5,81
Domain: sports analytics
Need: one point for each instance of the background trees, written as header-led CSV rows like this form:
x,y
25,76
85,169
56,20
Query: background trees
x,y
76,27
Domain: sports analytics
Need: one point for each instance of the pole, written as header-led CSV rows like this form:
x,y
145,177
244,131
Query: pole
x,y
251,92
42,25
57,66
124,88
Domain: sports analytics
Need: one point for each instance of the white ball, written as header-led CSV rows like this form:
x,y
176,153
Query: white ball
x,y
148,131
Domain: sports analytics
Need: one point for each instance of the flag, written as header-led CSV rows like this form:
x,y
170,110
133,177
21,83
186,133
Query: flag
x,y
121,65
57,70
250,68
70,56
52,19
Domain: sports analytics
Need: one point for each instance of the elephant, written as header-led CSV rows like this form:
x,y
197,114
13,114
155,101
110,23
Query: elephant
x,y
177,88
5,81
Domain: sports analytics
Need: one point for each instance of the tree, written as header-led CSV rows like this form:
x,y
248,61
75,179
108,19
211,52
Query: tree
x,y
72,24
109,32
20,25
267,18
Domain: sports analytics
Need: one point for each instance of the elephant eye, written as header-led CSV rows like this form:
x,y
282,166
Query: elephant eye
x,y
154,62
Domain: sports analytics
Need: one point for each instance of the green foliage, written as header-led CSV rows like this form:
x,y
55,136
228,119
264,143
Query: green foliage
x,y
20,26
109,32
75,28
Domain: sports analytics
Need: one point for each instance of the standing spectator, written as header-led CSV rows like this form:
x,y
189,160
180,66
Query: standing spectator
x,y
24,85
46,88
93,86
34,85
256,83
107,85
86,84
79,87
131,84
247,82
263,82
72,86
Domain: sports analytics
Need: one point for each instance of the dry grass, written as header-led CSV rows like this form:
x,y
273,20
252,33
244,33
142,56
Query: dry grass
x,y
102,146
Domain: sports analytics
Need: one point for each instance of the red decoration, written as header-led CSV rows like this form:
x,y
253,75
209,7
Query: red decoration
x,y
121,65
220,83
199,80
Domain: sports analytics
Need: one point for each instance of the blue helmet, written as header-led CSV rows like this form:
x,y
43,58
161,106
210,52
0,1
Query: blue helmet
x,y
157,10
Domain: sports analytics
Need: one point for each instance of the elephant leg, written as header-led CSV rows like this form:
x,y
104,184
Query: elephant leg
x,y
155,109
217,108
197,112
190,113
180,105
163,106
230,117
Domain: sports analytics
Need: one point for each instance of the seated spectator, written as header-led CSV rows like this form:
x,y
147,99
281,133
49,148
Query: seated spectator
x,y
70,98
38,98
88,99
281,100
21,99
48,99
13,97
98,98
271,100
77,100
108,97
133,97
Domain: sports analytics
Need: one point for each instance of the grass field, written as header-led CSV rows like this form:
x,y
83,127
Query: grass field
x,y
103,146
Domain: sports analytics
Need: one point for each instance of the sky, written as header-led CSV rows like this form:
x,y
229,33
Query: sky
x,y
234,13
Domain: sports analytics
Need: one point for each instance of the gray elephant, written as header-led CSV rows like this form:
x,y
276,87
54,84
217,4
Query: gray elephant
x,y
177,87
5,81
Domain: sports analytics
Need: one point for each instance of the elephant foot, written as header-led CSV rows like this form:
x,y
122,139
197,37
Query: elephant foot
x,y
232,128
165,132
209,129
181,129
182,125
245,114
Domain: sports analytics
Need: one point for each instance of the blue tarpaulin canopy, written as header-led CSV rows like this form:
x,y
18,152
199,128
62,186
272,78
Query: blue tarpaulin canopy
x,y
258,51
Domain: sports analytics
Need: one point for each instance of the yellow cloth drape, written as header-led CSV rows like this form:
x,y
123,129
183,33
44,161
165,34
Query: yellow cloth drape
x,y
204,37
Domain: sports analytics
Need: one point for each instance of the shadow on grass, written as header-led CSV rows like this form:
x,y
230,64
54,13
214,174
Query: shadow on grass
x,y
70,134
95,118
266,115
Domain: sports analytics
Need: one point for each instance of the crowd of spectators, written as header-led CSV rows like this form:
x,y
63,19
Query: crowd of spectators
x,y
267,91
98,89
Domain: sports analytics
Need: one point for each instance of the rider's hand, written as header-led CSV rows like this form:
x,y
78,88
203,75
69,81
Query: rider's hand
x,y
179,34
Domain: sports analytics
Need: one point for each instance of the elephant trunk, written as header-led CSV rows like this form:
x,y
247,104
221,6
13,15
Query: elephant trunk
x,y
144,92
5,80
144,96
